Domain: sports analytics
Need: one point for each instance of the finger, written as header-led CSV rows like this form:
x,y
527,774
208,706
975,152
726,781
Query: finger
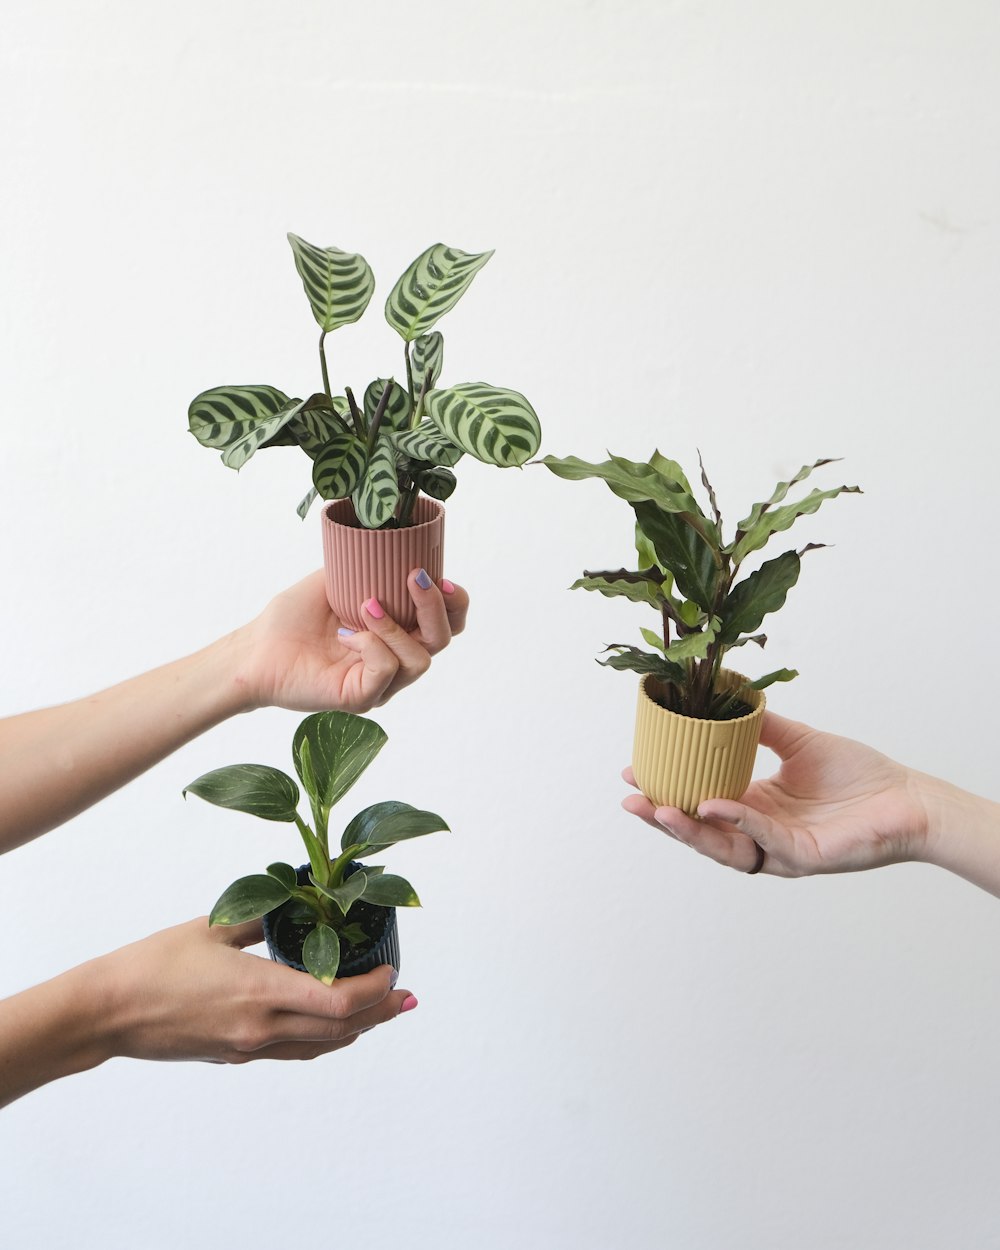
x,y
456,603
289,1026
305,995
629,776
377,668
433,630
773,838
639,805
727,847
782,735
413,660
237,935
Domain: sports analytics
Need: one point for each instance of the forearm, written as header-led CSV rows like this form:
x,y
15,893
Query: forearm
x,y
963,832
58,761
50,1031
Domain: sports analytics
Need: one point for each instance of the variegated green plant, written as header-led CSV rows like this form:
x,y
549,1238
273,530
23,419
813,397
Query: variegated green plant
x,y
330,750
407,436
688,573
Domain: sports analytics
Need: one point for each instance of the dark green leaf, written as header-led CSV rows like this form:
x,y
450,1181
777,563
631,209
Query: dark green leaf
x,y
781,674
635,587
436,482
682,549
782,518
256,789
637,483
284,873
391,891
764,591
384,824
780,491
247,899
321,954
344,895
633,660
341,746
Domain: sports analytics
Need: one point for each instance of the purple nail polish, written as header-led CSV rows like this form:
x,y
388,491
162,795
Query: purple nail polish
x,y
344,632
423,580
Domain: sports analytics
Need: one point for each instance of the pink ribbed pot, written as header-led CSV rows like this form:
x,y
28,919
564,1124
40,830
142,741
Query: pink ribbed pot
x,y
363,564
678,760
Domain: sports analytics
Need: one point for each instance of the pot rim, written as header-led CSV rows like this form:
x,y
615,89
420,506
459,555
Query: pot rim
x,y
705,720
410,529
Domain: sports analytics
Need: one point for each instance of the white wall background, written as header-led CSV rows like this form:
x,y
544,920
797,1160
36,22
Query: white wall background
x,y
769,230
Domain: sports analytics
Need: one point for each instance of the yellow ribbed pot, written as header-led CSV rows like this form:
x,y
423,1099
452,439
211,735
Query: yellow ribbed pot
x,y
678,761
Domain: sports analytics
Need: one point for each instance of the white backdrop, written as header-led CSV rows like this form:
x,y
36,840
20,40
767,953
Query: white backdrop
x,y
770,231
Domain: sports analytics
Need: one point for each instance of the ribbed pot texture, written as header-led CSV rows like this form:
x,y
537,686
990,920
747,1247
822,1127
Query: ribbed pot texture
x,y
363,564
678,761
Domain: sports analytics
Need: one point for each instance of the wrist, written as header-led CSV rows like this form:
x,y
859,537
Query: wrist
x,y
963,832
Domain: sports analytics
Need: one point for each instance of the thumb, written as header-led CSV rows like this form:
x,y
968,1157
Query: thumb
x,y
238,935
781,735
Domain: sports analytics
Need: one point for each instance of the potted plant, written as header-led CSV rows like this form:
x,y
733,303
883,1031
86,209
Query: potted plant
x,y
697,723
336,915
383,462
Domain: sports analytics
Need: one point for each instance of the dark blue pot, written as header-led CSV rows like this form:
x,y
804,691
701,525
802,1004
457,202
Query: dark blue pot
x,y
384,951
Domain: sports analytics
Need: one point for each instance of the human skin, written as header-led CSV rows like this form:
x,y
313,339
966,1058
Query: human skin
x,y
836,805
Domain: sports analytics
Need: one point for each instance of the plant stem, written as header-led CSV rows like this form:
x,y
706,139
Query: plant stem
x,y
326,375
383,403
409,373
318,860
359,426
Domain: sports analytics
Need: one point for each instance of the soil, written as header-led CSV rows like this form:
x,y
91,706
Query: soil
x,y
290,934
661,698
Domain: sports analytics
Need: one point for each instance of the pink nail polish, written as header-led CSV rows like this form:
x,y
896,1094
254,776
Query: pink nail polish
x,y
409,1002
447,586
374,609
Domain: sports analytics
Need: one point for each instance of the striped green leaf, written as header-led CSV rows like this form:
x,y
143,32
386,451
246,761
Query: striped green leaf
x,y
247,899
339,467
237,454
426,442
256,789
221,416
496,426
321,953
339,747
397,412
306,502
376,495
428,355
430,287
338,284
437,482
313,427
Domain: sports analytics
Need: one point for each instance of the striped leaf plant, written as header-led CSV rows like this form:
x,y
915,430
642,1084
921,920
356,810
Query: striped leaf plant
x,y
330,751
404,436
692,576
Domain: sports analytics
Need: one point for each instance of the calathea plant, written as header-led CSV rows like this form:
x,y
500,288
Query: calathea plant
x,y
329,904
401,438
689,573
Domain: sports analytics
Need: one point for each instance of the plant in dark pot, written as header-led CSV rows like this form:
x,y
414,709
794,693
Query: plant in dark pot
x,y
383,462
335,916
697,723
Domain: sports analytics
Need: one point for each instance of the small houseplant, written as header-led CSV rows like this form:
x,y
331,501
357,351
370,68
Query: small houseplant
x,y
697,723
383,462
335,916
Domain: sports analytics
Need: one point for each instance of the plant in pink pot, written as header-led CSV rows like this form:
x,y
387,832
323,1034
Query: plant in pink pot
x,y
383,463
697,723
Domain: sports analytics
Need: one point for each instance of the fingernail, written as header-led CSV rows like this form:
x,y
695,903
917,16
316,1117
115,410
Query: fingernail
x,y
423,580
409,1002
394,978
344,632
447,586
374,609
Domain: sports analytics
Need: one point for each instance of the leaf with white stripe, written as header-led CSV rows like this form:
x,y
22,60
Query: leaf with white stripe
x,y
397,410
496,426
430,287
339,467
428,354
338,284
306,502
237,454
426,442
221,416
437,482
377,494
315,425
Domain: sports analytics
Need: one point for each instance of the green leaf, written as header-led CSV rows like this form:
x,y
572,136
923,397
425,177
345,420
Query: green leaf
x,y
239,452
338,284
256,789
339,467
284,873
321,954
306,502
782,518
247,899
314,427
384,824
652,638
431,286
436,482
223,415
377,493
426,442
345,895
683,550
780,491
391,891
633,660
645,549
639,587
497,426
781,674
354,934
630,480
762,592
341,746
397,409
693,646
428,354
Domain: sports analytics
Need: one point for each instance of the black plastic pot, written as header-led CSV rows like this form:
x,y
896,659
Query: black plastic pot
x,y
385,950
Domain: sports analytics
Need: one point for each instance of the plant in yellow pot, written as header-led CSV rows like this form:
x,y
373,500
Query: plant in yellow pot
x,y
697,723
